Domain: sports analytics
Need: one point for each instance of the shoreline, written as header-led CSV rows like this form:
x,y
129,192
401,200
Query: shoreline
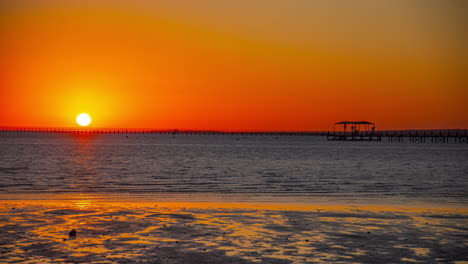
x,y
210,232
241,199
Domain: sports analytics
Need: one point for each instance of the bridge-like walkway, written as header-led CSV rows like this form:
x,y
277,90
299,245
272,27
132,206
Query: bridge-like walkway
x,y
436,136
445,136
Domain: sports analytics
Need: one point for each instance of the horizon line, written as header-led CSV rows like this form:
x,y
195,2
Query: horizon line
x,y
176,130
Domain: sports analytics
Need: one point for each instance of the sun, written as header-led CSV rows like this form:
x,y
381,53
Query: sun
x,y
83,119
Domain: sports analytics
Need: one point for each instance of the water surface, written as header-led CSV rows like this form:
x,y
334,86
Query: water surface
x,y
232,168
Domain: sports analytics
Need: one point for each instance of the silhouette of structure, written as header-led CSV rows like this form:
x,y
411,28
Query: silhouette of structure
x,y
346,130
158,132
354,131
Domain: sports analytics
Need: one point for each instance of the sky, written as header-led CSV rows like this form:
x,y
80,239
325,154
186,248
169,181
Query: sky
x,y
234,65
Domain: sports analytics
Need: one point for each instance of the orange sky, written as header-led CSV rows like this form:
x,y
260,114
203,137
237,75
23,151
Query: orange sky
x,y
233,65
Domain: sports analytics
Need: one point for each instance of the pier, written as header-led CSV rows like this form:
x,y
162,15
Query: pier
x,y
160,132
365,131
417,136
368,133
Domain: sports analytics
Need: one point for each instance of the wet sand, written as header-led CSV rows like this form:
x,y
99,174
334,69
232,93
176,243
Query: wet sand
x,y
149,232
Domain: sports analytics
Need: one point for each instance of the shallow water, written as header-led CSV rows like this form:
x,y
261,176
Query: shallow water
x,y
38,232
232,168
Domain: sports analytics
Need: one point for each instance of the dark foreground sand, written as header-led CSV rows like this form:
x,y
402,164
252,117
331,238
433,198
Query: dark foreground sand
x,y
111,232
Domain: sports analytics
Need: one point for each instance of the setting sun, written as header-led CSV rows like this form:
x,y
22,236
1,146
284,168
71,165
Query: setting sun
x,y
233,131
83,119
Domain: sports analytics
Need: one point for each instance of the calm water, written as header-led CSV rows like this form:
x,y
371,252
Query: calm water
x,y
261,168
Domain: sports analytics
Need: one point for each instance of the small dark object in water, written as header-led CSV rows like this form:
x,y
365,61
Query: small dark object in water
x,y
13,208
164,225
72,233
318,211
64,239
368,232
307,240
204,249
426,223
177,241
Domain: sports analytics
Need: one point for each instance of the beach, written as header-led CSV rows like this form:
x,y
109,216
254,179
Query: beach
x,y
209,199
37,231
212,132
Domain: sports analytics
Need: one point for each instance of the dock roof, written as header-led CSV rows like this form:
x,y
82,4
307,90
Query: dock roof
x,y
354,123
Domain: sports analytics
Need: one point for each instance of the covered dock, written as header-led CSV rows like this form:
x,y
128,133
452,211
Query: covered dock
x,y
354,131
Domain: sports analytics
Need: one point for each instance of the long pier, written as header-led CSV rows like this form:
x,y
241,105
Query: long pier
x,y
435,136
160,132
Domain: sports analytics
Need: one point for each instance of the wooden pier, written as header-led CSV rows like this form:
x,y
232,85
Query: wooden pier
x,y
365,131
421,136
160,132
416,136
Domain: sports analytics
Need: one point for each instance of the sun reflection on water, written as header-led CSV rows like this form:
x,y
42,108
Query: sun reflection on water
x,y
83,163
84,203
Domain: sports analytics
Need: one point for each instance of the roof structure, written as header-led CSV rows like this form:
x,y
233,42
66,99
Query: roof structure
x,y
354,123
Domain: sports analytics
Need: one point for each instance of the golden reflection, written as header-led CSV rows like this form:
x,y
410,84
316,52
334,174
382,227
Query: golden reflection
x,y
83,167
145,231
83,204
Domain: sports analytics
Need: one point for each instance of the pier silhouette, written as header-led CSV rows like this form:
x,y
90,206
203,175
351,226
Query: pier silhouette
x,y
365,131
353,134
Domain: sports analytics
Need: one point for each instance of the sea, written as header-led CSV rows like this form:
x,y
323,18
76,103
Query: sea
x,y
231,168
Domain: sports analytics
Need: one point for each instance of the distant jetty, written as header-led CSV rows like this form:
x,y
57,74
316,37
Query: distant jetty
x,y
159,132
362,131
365,131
